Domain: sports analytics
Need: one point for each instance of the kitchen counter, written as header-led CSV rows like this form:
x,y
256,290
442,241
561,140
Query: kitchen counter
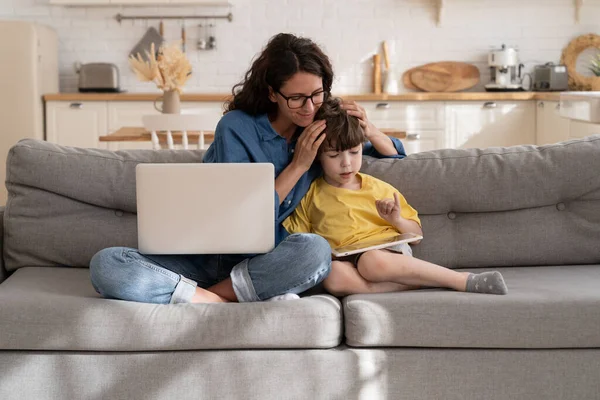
x,y
412,96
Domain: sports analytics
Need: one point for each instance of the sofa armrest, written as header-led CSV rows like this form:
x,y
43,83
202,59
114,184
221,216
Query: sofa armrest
x,y
3,273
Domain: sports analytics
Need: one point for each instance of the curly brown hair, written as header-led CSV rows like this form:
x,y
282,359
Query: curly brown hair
x,y
343,131
284,55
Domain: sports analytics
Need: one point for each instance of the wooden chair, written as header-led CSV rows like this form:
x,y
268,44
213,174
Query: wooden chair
x,y
171,123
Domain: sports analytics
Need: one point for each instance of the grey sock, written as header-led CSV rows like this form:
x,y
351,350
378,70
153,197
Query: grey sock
x,y
487,282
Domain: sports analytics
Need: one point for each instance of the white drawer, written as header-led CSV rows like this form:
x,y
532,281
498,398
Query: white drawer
x,y
417,141
128,113
582,106
404,115
579,129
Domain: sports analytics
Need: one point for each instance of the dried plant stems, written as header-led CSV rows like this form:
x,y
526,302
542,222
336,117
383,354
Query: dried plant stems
x,y
169,70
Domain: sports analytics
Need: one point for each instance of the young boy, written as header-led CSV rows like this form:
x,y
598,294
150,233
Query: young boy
x,y
345,207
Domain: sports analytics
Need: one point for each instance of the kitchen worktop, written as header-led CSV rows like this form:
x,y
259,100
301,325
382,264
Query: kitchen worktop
x,y
412,96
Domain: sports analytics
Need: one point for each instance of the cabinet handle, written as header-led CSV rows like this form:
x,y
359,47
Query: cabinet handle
x,y
541,105
382,105
76,105
490,104
558,106
413,136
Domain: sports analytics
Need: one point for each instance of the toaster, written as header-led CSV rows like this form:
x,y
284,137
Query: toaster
x,y
99,77
550,77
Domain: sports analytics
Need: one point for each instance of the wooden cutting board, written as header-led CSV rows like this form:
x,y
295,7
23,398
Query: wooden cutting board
x,y
445,76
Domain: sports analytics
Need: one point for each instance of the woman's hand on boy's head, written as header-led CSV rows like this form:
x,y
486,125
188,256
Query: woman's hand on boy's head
x,y
356,110
389,209
308,144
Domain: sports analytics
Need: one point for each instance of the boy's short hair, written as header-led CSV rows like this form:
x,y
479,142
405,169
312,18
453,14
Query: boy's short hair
x,y
343,131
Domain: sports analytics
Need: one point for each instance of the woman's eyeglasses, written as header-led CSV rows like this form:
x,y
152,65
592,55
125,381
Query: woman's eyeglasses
x,y
298,101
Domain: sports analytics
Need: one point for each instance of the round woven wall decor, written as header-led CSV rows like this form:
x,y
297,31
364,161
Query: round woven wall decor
x,y
569,58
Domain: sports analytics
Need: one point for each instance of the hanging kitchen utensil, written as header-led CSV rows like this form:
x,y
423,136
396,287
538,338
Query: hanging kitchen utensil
x,y
201,37
183,35
145,43
212,39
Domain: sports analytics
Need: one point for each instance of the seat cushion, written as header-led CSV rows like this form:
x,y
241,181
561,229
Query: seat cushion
x,y
44,308
546,307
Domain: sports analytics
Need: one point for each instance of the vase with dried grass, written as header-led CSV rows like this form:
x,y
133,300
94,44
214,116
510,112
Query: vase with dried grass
x,y
169,69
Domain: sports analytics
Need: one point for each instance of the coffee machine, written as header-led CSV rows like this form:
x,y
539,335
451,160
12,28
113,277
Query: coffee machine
x,y
505,70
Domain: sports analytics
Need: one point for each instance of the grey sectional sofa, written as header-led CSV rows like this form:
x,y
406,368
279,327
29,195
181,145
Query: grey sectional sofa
x,y
531,212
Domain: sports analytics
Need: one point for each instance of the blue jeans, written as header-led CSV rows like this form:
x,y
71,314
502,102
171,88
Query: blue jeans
x,y
298,263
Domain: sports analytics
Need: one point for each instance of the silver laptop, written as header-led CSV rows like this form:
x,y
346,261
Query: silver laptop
x,y
205,208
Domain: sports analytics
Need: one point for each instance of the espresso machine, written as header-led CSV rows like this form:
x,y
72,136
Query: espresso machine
x,y
505,70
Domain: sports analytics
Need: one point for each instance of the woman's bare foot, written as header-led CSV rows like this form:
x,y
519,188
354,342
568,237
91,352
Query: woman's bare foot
x,y
205,296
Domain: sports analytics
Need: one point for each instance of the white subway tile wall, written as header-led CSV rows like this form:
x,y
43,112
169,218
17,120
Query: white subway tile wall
x,y
349,31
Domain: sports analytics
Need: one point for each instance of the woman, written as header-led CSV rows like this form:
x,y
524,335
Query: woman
x,y
270,119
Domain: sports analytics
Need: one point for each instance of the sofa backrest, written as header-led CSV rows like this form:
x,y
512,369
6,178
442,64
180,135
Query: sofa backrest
x,y
64,203
522,205
513,206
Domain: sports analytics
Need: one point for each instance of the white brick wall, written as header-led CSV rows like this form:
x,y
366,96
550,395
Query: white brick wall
x,y
349,31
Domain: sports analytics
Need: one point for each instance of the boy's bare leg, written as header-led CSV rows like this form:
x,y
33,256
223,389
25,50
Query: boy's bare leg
x,y
344,279
386,266
381,265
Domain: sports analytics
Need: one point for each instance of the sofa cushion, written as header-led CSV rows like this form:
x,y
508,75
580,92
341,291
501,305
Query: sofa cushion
x,y
513,206
58,309
546,307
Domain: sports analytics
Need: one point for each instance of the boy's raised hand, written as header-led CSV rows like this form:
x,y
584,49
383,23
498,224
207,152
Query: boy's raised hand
x,y
389,209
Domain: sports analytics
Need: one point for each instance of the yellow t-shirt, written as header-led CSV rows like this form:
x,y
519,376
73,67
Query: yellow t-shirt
x,y
344,216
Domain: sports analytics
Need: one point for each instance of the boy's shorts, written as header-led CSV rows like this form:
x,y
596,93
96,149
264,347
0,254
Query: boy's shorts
x,y
402,248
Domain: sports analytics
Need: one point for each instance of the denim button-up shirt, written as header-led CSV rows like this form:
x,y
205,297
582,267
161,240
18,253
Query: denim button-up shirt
x,y
240,137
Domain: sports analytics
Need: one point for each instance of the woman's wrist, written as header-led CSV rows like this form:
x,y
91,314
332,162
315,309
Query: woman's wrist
x,y
371,131
382,143
297,169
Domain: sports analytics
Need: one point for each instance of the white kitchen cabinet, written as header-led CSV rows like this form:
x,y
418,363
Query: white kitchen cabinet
x,y
423,122
488,124
550,126
419,141
405,115
579,129
211,110
77,124
128,114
